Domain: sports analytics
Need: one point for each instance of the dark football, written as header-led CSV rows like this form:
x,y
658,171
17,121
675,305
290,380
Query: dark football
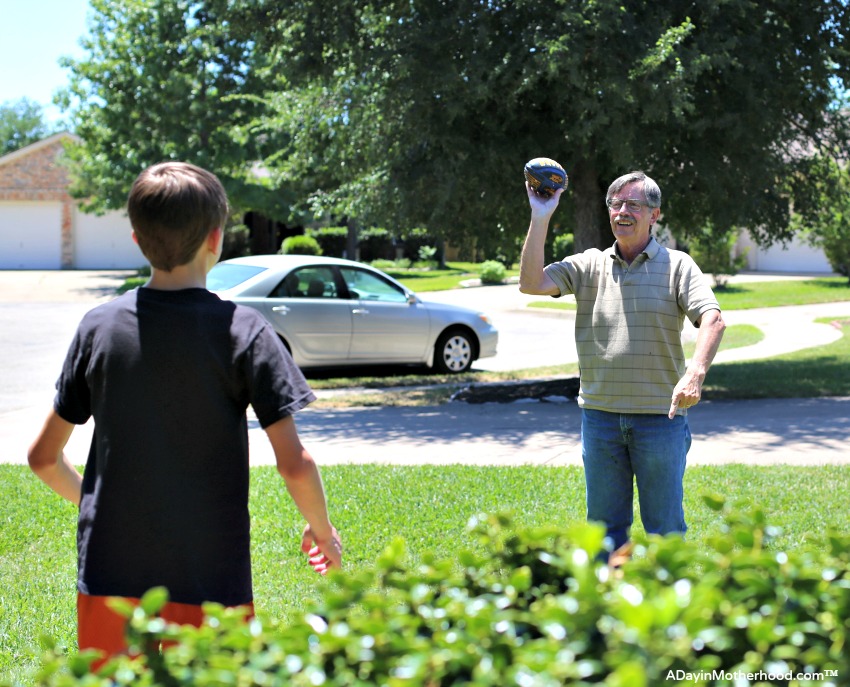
x,y
545,176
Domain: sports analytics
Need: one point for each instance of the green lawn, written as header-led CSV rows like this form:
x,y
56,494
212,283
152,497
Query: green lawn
x,y
768,294
455,273
428,506
819,371
735,336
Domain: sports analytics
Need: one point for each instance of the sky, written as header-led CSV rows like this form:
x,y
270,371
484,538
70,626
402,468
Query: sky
x,y
34,34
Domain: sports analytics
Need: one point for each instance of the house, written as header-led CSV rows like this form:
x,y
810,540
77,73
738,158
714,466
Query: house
x,y
797,256
42,227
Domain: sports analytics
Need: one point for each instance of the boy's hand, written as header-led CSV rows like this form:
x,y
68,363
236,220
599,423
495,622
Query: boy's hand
x,y
323,554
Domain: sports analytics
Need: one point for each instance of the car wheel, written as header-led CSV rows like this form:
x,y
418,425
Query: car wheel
x,y
454,352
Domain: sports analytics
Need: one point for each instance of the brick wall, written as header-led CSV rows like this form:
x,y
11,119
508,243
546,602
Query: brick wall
x,y
34,173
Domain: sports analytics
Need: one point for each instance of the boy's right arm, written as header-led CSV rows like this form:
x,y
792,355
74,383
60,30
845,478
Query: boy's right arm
x,y
304,483
47,459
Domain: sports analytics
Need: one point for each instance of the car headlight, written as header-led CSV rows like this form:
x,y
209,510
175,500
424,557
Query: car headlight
x,y
485,318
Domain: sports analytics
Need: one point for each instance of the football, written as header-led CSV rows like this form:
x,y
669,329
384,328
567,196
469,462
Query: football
x,y
545,176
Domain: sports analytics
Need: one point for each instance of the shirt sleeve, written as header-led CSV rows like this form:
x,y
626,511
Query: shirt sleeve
x,y
567,273
695,295
73,396
278,388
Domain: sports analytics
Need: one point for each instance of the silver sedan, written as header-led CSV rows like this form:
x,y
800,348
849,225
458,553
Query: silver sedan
x,y
334,312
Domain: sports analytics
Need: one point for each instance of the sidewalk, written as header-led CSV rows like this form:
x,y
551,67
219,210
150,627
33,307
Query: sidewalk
x,y
812,431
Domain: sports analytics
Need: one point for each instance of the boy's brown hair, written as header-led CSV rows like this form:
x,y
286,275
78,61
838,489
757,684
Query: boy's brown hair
x,y
173,206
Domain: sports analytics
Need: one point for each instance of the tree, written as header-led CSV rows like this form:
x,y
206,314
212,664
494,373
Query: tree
x,y
822,213
21,122
167,79
714,252
422,113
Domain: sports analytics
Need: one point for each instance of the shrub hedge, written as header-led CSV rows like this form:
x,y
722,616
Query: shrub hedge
x,y
536,608
492,272
331,239
300,245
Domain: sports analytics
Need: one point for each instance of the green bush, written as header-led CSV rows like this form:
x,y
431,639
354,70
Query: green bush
x,y
375,243
300,245
413,239
427,258
837,250
529,607
562,246
713,250
492,272
333,240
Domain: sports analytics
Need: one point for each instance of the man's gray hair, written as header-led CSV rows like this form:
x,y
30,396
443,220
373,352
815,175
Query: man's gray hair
x,y
651,191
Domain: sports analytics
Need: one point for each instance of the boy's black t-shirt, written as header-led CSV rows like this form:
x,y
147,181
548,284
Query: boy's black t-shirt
x,y
168,376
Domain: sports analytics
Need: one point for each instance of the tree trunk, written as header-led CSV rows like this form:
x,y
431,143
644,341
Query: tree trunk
x,y
351,239
591,220
261,239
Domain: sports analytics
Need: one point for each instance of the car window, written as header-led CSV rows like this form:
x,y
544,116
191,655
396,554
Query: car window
x,y
307,282
368,286
225,276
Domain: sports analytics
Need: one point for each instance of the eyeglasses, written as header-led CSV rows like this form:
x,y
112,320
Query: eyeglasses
x,y
631,204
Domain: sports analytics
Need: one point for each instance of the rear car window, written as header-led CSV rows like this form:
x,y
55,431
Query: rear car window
x,y
223,276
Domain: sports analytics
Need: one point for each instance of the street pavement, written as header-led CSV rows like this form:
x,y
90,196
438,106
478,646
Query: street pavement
x,y
34,334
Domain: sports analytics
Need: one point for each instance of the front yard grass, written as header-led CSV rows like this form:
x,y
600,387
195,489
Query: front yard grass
x,y
427,506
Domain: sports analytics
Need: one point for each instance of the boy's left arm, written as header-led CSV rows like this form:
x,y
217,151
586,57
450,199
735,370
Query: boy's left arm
x,y
304,483
47,459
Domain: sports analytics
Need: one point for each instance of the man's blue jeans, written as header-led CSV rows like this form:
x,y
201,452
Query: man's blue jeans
x,y
619,449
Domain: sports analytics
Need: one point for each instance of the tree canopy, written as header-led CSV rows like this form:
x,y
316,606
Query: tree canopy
x,y
166,79
21,122
421,113
426,111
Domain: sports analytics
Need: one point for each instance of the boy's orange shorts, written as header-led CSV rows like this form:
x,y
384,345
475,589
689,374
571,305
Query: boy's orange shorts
x,y
99,627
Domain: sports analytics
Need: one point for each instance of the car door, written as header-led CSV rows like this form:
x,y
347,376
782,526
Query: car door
x,y
386,327
308,311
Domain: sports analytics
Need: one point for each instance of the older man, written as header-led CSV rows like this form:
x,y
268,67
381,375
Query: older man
x,y
635,390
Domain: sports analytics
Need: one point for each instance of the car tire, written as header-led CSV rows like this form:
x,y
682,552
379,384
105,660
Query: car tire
x,y
454,352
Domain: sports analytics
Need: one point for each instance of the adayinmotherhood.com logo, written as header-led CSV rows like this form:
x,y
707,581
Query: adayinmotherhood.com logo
x,y
760,676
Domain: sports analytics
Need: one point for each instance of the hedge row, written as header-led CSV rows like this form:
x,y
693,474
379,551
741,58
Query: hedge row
x,y
374,243
531,607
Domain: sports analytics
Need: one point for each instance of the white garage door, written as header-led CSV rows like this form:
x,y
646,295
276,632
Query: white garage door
x,y
104,242
30,236
797,256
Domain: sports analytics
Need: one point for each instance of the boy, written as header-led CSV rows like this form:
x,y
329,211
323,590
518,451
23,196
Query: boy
x,y
167,371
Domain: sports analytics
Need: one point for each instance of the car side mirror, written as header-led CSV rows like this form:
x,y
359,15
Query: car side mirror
x,y
411,298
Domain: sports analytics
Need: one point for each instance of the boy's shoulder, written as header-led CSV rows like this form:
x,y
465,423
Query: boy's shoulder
x,y
156,303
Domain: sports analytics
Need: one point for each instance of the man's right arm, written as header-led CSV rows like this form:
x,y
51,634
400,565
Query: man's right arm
x,y
532,277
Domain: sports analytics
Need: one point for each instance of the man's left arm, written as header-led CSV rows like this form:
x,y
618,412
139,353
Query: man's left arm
x,y
689,389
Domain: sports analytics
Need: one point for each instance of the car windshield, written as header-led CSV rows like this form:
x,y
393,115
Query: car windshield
x,y
225,276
